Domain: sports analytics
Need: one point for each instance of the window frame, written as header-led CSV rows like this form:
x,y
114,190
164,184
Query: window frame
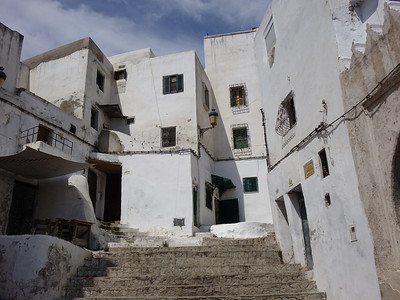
x,y
166,139
169,80
244,139
100,80
252,183
238,100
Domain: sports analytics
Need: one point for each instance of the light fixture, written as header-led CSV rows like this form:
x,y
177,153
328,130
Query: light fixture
x,y
3,76
213,115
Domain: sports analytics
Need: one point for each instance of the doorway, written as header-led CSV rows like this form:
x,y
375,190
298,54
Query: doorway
x,y
21,215
105,189
227,211
299,204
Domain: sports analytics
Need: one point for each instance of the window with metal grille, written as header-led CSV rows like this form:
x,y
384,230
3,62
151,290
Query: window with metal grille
x,y
250,184
173,84
286,118
324,163
240,138
168,136
209,195
100,80
238,95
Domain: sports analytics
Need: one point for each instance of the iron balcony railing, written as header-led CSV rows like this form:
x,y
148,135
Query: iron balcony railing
x,y
48,136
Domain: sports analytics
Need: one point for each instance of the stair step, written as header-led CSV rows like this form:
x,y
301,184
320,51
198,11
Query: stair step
x,y
230,269
141,280
286,296
193,290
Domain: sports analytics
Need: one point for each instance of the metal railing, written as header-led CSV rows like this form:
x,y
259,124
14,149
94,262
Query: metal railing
x,y
48,136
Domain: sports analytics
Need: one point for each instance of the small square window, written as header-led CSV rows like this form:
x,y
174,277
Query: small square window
x,y
168,136
100,80
250,184
240,138
94,118
238,96
209,195
120,75
173,84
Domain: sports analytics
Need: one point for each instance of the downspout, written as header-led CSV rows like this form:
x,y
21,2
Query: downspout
x,y
265,139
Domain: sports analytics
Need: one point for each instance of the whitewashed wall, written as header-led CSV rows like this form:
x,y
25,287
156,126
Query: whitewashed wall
x,y
143,98
253,206
10,53
230,60
306,63
37,266
155,190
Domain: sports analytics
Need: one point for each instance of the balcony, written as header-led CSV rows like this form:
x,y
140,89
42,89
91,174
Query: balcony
x,y
43,134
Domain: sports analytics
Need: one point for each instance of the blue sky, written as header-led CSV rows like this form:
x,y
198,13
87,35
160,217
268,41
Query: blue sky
x,y
117,26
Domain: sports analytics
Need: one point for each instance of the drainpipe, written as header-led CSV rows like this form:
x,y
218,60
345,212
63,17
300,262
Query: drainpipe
x,y
265,139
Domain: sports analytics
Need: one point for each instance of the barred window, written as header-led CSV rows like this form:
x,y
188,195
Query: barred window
x,y
324,163
238,95
286,118
240,138
168,136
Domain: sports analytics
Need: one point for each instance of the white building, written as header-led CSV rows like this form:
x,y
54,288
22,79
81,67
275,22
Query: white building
x,y
288,149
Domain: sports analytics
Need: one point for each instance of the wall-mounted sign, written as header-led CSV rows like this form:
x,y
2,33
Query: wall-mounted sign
x,y
309,169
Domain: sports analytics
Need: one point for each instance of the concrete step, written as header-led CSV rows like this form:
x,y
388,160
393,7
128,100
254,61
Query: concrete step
x,y
187,271
168,261
234,252
143,280
269,296
193,290
209,241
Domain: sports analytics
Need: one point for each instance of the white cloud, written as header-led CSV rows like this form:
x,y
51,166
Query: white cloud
x,y
47,24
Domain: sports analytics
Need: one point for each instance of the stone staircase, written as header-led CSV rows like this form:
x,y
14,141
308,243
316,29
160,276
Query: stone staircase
x,y
218,269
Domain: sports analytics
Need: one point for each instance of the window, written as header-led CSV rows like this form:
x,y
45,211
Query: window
x,y
100,80
324,163
121,74
270,40
209,195
72,129
240,138
238,95
250,184
286,118
173,84
206,98
94,118
168,136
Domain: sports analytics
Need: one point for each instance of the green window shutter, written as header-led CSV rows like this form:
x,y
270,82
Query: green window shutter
x,y
166,85
250,184
180,82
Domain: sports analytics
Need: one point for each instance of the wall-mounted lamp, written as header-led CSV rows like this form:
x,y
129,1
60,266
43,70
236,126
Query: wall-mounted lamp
x,y
3,76
213,115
